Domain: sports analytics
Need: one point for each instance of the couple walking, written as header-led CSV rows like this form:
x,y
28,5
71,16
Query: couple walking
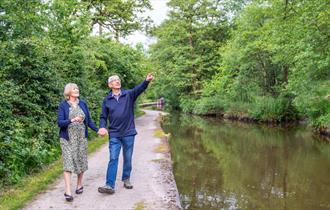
x,y
74,119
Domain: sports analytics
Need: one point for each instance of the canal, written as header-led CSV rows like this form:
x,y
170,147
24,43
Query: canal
x,y
230,165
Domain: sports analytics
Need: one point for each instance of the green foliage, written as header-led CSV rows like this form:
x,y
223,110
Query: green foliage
x,y
120,18
187,105
237,109
186,53
43,46
29,100
273,109
268,62
260,60
114,58
275,64
315,103
209,105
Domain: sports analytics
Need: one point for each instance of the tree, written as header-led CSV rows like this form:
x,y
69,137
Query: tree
x,y
119,17
187,48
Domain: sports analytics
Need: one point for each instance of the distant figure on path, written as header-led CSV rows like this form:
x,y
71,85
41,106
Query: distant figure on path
x,y
73,119
118,109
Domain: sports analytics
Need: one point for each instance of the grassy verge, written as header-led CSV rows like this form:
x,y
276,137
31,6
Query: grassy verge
x,y
139,113
20,194
159,133
163,147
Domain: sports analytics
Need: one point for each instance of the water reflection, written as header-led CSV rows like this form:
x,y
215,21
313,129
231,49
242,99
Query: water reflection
x,y
230,165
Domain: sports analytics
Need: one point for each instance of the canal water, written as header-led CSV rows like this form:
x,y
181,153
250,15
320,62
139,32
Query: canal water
x,y
230,165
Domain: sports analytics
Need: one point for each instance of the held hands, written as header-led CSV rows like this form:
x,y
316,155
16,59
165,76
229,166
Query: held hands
x,y
77,119
150,77
102,132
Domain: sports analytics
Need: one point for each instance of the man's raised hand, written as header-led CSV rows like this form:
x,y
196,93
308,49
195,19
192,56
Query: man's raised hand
x,y
150,77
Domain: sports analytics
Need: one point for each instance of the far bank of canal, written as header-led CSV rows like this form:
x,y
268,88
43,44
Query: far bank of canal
x,y
231,165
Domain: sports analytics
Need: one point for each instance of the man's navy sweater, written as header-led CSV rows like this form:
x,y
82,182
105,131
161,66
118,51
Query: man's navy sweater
x,y
120,113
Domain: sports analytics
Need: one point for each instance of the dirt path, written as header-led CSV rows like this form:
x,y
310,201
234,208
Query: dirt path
x,y
154,186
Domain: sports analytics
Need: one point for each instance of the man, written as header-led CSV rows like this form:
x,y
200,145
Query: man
x,y
118,108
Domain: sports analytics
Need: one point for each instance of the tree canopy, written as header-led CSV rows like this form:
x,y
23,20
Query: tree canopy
x,y
263,60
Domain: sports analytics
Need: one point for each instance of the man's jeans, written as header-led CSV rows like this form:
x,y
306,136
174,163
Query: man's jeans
x,y
114,147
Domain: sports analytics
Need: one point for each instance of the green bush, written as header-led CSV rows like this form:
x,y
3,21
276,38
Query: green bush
x,y
237,109
209,105
29,99
268,108
314,103
187,105
43,46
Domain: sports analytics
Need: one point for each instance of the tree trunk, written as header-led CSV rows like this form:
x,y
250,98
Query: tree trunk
x,y
117,34
285,74
100,29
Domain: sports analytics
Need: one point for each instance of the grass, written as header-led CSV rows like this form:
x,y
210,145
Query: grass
x,y
139,113
161,148
159,133
140,206
20,194
158,160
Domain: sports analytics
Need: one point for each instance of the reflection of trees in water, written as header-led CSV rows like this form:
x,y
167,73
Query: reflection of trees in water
x,y
223,165
197,179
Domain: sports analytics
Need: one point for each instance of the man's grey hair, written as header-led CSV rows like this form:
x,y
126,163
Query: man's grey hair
x,y
112,78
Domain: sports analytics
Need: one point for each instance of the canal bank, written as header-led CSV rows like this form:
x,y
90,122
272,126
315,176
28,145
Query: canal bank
x,y
152,177
242,117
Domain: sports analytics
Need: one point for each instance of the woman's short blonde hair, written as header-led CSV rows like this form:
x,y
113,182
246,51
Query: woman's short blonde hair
x,y
68,88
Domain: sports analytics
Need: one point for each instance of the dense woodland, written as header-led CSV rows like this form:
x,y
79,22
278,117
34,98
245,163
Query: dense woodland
x,y
248,59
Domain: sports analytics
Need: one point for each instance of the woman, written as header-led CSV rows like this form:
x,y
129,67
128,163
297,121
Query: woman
x,y
74,120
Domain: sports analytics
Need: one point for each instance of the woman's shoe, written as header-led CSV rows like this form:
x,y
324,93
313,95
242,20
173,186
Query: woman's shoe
x,y
68,197
80,190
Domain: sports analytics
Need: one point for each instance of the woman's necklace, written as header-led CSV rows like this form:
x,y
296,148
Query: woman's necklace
x,y
74,104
